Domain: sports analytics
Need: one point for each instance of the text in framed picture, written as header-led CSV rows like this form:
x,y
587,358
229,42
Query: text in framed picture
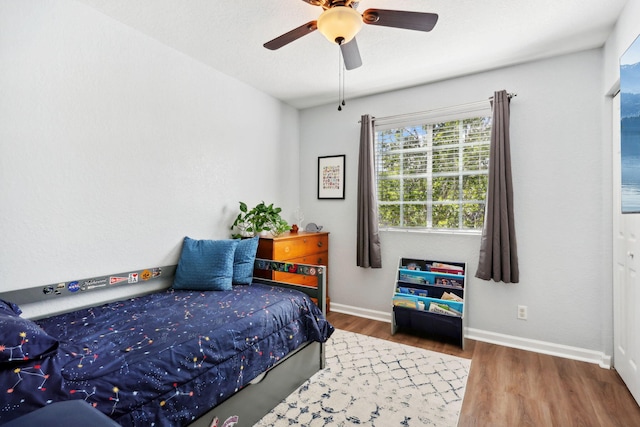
x,y
331,177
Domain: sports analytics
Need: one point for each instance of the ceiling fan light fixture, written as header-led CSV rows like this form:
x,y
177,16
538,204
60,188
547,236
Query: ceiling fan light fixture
x,y
340,24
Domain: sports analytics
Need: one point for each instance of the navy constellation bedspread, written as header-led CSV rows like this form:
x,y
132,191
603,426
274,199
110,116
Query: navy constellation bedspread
x,y
163,359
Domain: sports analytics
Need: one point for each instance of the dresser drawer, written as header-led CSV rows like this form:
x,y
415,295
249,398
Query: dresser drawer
x,y
321,258
288,249
311,281
315,259
295,248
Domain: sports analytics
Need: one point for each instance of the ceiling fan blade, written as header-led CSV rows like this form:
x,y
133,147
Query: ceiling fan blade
x,y
292,35
400,19
351,54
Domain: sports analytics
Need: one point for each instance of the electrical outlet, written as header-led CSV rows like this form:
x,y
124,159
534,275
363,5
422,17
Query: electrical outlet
x,y
522,312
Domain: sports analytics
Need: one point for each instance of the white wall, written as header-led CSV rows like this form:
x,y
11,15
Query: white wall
x,y
562,224
113,147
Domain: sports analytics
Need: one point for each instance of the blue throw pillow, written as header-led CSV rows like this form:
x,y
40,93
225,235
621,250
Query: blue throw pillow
x,y
243,261
205,265
23,340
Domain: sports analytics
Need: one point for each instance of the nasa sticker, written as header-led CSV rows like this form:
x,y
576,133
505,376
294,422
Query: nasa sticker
x,y
73,286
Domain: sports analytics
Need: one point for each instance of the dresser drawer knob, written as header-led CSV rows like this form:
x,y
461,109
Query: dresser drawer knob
x,y
319,244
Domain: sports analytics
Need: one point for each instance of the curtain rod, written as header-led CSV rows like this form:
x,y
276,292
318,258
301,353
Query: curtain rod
x,y
509,95
456,107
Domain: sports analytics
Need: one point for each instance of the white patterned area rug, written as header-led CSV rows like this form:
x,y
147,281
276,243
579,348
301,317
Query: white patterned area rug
x,y
374,382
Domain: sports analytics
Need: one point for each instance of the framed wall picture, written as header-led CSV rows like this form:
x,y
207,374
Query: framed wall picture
x,y
331,177
630,128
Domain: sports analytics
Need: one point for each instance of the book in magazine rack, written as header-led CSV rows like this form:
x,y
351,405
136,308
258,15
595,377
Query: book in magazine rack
x,y
428,298
263,393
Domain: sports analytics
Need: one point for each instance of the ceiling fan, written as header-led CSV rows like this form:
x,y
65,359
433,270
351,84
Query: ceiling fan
x,y
340,22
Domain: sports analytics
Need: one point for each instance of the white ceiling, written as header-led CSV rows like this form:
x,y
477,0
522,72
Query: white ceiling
x,y
470,36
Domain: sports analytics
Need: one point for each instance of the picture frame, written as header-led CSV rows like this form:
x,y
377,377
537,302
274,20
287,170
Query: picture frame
x,y
630,128
331,177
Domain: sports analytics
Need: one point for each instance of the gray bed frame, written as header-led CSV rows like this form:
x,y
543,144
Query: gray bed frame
x,y
253,401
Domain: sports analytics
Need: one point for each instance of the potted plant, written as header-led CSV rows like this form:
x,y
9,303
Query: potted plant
x,y
262,217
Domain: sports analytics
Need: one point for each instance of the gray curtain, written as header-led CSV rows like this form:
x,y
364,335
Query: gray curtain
x,y
368,237
498,249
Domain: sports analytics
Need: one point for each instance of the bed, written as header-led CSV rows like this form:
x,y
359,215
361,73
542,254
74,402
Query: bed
x,y
175,357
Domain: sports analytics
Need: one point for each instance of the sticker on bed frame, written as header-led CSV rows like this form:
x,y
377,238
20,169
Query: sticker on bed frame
x,y
287,267
105,281
93,283
79,286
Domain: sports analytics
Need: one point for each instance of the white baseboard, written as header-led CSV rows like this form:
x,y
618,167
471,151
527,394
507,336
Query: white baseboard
x,y
361,312
543,347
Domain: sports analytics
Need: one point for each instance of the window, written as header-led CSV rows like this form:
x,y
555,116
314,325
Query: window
x,y
432,170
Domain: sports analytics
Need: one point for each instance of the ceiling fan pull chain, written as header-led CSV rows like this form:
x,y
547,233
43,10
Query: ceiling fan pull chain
x,y
344,77
340,81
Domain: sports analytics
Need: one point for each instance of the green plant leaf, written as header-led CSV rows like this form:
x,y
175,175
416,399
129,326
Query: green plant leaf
x,y
259,218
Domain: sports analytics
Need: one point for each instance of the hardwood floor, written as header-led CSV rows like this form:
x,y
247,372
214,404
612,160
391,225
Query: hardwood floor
x,y
510,387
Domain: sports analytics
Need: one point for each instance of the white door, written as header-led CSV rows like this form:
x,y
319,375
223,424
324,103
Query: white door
x,y
626,260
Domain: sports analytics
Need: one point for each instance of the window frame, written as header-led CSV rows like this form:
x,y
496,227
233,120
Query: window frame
x,y
430,118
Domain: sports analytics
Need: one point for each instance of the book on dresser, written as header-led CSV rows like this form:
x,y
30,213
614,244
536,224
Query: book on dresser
x,y
428,298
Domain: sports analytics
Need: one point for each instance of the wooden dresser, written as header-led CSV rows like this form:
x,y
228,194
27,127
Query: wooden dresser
x,y
297,248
